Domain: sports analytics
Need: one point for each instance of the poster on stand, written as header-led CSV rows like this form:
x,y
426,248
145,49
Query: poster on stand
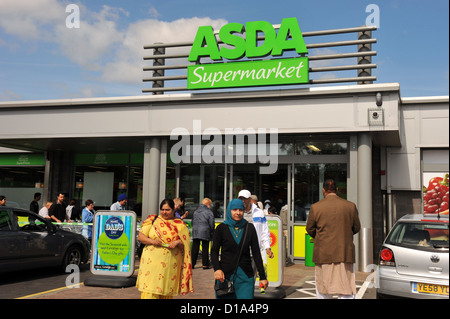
x,y
113,243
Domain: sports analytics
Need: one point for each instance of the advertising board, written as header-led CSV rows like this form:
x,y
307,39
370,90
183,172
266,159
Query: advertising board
x,y
113,243
275,265
435,193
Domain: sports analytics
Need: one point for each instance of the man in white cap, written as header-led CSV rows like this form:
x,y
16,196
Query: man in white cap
x,y
254,214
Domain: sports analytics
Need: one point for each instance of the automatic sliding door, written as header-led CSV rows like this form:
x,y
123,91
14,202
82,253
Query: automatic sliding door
x,y
307,189
308,182
272,187
200,181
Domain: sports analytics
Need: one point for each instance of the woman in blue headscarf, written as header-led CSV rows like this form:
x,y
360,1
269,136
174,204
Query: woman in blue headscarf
x,y
227,241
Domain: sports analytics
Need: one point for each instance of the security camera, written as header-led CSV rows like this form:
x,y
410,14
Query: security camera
x,y
376,116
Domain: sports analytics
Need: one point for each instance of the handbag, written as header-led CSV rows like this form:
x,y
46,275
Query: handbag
x,y
224,288
227,287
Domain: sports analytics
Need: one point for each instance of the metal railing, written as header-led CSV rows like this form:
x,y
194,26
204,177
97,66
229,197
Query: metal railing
x,y
363,55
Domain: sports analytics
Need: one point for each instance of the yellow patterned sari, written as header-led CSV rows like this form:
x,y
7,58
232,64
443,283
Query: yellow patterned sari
x,y
164,272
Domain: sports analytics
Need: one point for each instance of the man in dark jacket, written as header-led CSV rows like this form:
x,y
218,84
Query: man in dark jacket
x,y
202,230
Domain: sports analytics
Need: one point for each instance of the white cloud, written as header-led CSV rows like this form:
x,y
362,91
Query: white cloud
x,y
30,19
128,62
99,44
93,42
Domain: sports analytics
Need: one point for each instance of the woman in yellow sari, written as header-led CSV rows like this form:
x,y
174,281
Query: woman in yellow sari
x,y
165,269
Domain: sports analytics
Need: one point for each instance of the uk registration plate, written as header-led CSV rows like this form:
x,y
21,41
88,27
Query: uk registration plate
x,y
430,289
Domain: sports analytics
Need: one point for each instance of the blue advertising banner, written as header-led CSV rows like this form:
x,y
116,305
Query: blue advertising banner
x,y
113,243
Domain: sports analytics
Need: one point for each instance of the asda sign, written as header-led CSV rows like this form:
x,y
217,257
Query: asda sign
x,y
247,71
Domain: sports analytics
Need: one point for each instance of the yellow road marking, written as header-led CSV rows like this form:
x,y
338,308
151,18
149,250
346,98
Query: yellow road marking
x,y
58,289
49,291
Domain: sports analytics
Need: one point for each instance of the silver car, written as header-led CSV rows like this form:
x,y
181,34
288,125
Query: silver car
x,y
414,259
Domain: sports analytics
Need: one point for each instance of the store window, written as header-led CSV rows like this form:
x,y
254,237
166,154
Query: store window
x,y
323,159
308,180
320,148
201,181
21,176
103,177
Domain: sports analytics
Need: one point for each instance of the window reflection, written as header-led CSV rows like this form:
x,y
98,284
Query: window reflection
x,y
320,148
309,180
201,181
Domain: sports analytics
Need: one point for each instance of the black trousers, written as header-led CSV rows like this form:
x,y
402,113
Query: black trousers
x,y
205,252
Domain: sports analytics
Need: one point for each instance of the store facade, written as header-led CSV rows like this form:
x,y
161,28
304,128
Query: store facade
x,y
280,144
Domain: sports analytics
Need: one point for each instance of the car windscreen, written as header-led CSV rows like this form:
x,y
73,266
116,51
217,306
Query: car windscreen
x,y
420,235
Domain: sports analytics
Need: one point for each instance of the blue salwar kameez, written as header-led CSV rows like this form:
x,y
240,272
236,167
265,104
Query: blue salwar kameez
x,y
244,284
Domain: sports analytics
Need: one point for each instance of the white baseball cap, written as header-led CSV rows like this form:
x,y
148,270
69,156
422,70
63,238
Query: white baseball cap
x,y
244,193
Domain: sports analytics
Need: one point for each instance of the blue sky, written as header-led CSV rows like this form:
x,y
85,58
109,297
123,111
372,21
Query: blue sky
x,y
40,58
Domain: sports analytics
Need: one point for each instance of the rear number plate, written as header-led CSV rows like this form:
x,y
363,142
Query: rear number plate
x,y
430,289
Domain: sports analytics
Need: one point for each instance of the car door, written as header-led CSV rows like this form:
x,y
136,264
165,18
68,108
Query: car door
x,y
40,245
11,243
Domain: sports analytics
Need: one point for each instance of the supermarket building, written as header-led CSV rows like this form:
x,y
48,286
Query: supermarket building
x,y
281,143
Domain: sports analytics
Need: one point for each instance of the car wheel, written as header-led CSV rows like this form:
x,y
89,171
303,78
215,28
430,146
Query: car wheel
x,y
72,257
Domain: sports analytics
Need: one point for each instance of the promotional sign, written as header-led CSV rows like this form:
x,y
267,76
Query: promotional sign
x,y
113,243
435,193
236,46
275,265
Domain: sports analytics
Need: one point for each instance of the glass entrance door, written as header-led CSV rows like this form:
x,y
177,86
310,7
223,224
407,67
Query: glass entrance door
x,y
307,181
267,187
291,190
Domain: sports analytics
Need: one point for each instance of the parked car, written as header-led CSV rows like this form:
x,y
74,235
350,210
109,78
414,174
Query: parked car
x,y
29,241
414,259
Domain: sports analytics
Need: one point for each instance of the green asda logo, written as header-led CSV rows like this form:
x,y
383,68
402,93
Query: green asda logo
x,y
248,73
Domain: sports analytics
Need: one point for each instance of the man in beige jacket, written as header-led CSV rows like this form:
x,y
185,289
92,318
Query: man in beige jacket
x,y
332,222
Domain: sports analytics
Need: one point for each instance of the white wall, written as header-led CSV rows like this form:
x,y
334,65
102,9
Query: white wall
x,y
315,110
423,125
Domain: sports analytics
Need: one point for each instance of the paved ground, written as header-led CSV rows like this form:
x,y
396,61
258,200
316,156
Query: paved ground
x,y
298,283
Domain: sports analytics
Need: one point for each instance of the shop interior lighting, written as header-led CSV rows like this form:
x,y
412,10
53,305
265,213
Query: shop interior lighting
x,y
313,147
122,185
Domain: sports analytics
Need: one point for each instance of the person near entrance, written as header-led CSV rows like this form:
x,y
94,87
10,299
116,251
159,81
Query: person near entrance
x,y
2,200
256,215
332,222
165,269
57,211
202,231
233,240
86,218
120,204
34,205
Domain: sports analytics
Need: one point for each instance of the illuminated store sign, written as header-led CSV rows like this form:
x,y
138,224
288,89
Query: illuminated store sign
x,y
248,72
